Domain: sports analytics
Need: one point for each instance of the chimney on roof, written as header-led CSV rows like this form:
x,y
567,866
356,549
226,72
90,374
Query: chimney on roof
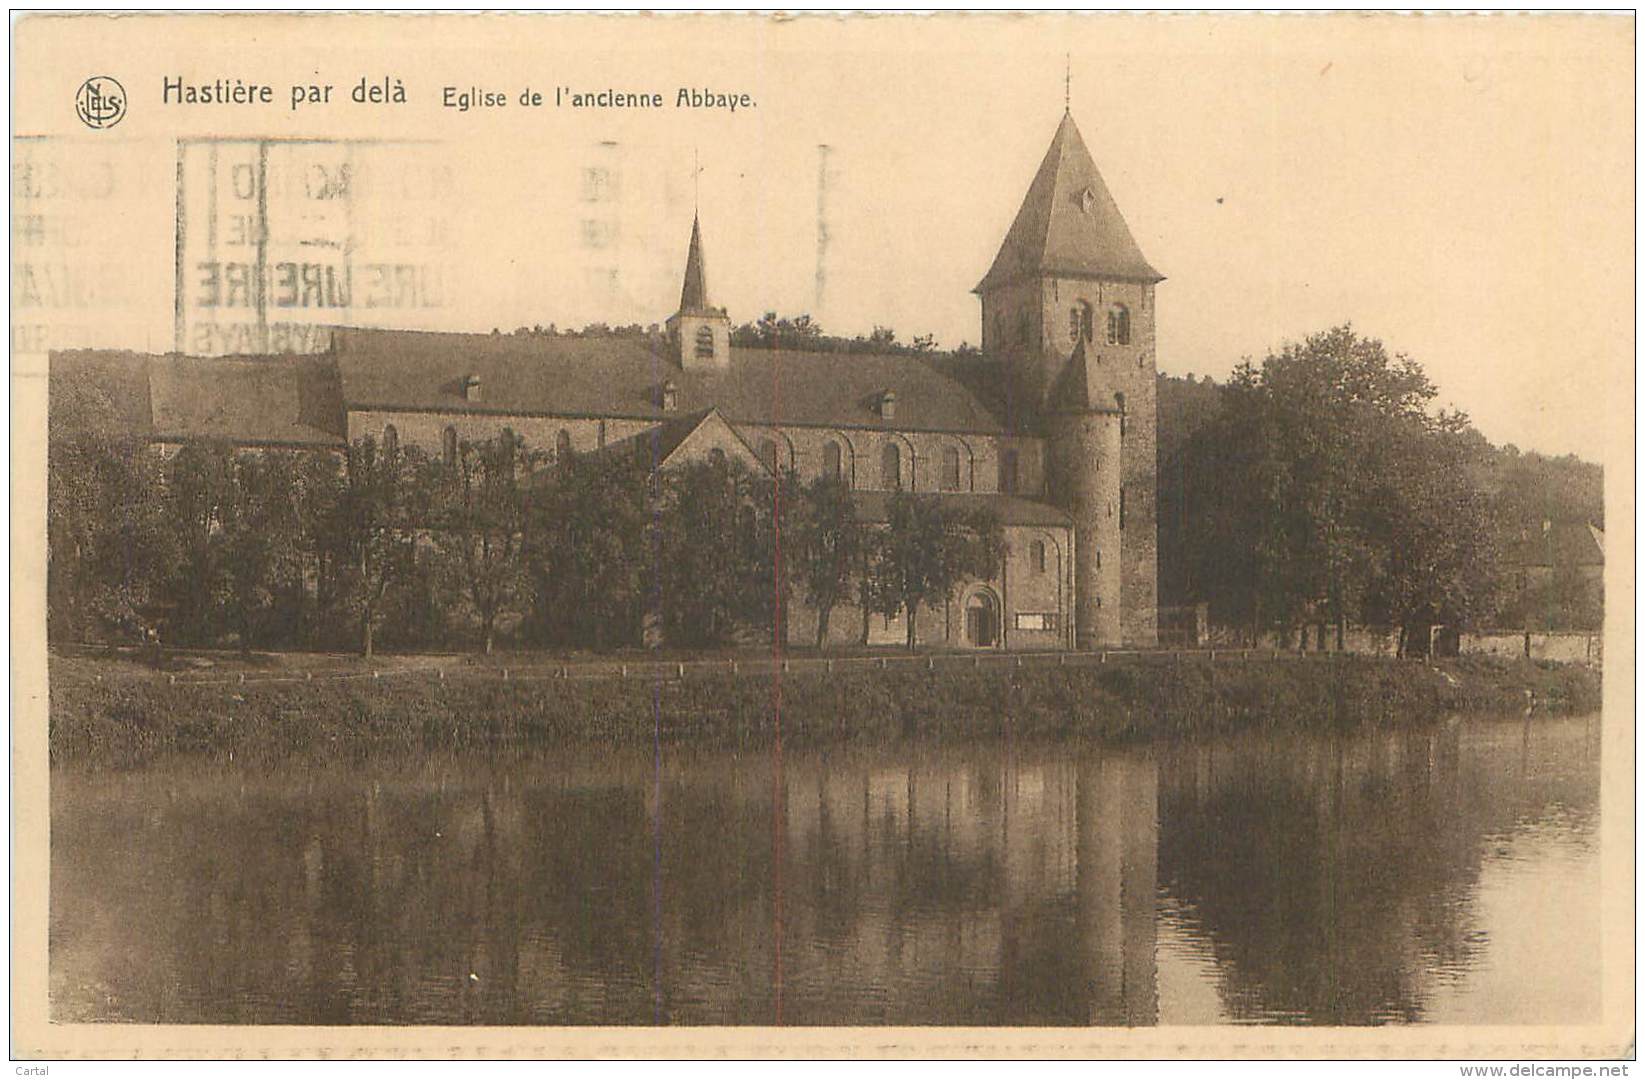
x,y
670,396
888,405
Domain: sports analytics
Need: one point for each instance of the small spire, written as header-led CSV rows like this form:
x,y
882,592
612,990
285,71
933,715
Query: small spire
x,y
1072,390
694,292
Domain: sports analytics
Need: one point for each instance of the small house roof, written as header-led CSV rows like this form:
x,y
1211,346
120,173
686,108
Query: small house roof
x,y
1564,543
268,400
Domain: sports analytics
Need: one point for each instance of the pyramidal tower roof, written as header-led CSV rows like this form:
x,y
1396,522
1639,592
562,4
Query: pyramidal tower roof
x,y
1069,224
694,293
1072,392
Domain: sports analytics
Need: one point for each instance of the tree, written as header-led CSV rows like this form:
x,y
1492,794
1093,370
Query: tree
x,y
827,544
110,548
1433,528
589,549
261,538
479,515
323,545
771,332
1237,544
717,571
778,505
1327,490
1184,407
925,551
200,482
379,511
699,577
1566,600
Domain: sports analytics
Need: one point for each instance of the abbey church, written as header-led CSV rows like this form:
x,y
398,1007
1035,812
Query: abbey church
x,y
1053,429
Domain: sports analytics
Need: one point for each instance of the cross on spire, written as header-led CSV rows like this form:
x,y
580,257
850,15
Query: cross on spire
x,y
1067,82
696,171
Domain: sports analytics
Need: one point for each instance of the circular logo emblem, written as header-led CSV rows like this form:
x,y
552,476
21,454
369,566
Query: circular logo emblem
x,y
101,102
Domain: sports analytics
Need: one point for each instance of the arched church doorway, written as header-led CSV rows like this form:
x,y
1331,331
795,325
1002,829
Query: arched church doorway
x,y
982,620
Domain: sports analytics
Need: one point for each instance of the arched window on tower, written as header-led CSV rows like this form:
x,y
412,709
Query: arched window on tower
x,y
448,445
950,468
705,342
1038,553
1119,325
831,460
891,467
1079,322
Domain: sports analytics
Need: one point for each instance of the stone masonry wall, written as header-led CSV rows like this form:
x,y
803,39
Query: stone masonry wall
x,y
1121,369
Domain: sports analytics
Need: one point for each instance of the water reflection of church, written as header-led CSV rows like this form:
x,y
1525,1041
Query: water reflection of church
x,y
1024,895
1320,880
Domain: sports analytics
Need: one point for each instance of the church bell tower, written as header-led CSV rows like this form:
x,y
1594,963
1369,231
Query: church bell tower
x,y
699,332
1068,315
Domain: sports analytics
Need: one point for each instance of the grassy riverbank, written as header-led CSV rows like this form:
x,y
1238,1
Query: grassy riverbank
x,y
103,711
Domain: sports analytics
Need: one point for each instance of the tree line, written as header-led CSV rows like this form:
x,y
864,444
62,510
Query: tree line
x,y
1322,486
386,546
769,331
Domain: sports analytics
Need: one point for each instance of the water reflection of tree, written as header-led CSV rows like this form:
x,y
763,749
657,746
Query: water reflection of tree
x,y
580,889
1334,877
962,886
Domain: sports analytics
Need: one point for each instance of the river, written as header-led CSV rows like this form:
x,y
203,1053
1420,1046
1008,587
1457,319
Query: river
x,y
1445,874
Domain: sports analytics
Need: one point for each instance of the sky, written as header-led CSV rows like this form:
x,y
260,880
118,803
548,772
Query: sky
x,y
1461,188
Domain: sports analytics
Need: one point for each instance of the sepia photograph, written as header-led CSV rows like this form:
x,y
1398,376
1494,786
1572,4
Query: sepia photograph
x,y
640,535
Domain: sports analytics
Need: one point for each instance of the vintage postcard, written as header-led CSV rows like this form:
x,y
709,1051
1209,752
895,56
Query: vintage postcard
x,y
744,535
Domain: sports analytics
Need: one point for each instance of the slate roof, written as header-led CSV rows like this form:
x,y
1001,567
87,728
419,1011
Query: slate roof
x,y
1059,230
623,376
874,506
119,381
694,292
667,438
302,400
278,400
659,444
270,400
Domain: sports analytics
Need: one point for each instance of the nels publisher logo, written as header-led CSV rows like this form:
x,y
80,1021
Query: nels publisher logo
x,y
101,102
